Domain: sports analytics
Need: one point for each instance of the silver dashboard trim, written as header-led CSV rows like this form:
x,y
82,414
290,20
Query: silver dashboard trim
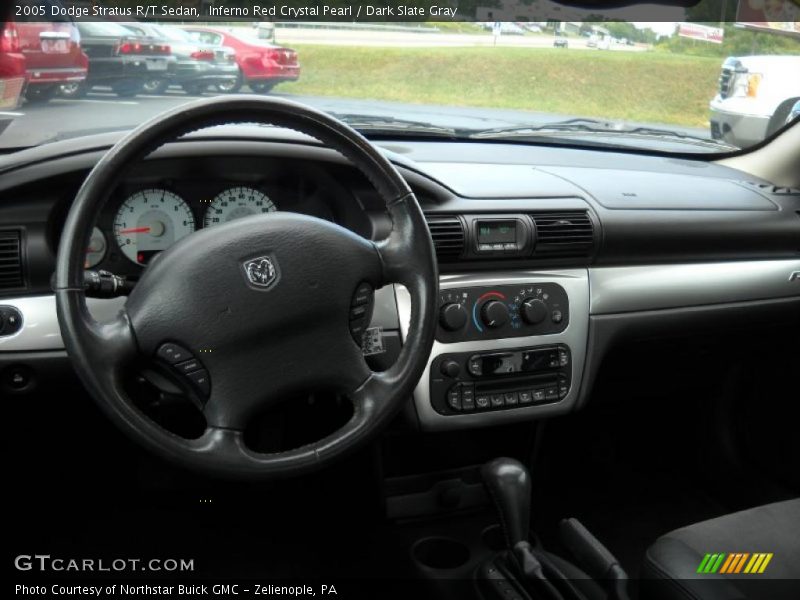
x,y
40,330
576,284
658,287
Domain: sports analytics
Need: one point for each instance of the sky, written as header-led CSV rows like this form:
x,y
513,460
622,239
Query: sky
x,y
660,27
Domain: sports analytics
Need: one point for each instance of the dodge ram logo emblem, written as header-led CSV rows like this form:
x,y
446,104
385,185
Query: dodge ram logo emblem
x,y
261,271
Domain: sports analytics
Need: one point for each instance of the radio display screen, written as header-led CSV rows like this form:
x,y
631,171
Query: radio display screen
x,y
518,362
497,232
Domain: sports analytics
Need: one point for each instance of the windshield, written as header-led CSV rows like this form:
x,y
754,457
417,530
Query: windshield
x,y
690,85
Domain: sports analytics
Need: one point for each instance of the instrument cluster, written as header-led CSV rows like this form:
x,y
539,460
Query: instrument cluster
x,y
152,219
143,220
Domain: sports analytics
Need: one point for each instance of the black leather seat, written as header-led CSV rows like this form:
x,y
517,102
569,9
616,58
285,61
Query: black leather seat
x,y
670,568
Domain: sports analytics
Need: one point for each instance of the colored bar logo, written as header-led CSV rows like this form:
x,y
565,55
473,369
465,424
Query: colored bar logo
x,y
735,562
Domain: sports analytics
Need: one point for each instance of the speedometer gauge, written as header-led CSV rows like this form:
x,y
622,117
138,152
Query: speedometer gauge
x,y
149,222
235,203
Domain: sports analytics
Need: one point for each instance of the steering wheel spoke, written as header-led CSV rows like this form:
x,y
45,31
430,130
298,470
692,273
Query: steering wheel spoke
x,y
109,346
241,391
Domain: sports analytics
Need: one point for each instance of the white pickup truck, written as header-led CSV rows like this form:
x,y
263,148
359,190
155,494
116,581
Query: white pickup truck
x,y
755,97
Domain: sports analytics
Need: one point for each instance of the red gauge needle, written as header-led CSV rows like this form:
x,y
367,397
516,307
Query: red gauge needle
x,y
135,230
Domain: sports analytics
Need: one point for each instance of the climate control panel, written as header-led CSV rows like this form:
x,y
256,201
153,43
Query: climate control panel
x,y
480,313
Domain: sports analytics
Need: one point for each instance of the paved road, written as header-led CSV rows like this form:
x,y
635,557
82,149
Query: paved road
x,y
99,112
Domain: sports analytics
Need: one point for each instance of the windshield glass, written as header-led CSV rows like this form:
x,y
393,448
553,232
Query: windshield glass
x,y
714,79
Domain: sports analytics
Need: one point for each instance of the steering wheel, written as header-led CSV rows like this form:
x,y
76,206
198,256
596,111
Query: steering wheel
x,y
262,304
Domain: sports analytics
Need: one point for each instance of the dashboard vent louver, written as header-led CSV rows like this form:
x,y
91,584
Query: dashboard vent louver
x,y
448,236
566,233
777,190
10,260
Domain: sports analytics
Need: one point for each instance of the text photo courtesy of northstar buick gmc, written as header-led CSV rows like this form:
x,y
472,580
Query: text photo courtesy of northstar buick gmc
x,y
391,330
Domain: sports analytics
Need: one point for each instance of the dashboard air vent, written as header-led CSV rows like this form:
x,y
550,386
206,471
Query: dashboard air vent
x,y
566,233
448,235
777,190
10,260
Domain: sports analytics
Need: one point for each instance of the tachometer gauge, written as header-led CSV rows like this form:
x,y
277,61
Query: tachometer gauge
x,y
149,222
96,251
235,203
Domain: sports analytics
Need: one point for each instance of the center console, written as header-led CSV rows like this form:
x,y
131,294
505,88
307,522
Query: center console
x,y
508,347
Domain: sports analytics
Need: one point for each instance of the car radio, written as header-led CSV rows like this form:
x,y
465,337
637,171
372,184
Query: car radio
x,y
499,380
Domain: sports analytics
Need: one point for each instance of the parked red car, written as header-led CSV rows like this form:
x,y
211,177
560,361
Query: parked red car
x,y
12,71
262,65
53,55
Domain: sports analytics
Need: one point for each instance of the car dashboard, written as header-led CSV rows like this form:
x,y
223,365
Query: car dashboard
x,y
549,257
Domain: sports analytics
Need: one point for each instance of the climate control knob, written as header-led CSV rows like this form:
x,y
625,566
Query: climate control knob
x,y
452,316
534,311
494,314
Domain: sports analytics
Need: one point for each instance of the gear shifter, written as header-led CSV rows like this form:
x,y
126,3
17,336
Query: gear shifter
x,y
509,485
531,567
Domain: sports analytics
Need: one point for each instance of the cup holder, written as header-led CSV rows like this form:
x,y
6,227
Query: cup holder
x,y
493,538
440,553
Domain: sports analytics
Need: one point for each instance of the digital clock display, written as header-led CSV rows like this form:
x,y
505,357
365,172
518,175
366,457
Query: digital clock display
x,y
497,232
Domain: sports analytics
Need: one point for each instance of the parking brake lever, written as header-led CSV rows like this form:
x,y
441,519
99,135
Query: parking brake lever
x,y
594,557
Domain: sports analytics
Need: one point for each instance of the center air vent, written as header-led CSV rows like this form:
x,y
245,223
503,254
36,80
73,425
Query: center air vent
x,y
447,232
566,233
10,260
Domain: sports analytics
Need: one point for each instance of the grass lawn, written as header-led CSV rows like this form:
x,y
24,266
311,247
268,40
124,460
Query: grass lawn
x,y
638,86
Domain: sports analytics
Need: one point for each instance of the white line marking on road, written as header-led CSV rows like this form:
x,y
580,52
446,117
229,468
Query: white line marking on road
x,y
11,114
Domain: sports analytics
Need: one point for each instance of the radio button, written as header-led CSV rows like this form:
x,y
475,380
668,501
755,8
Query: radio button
x,y
551,392
467,398
497,400
483,401
556,316
512,399
454,399
475,366
525,397
538,395
563,357
450,368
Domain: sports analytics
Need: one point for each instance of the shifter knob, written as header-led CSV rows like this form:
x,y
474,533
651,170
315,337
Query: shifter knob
x,y
509,485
